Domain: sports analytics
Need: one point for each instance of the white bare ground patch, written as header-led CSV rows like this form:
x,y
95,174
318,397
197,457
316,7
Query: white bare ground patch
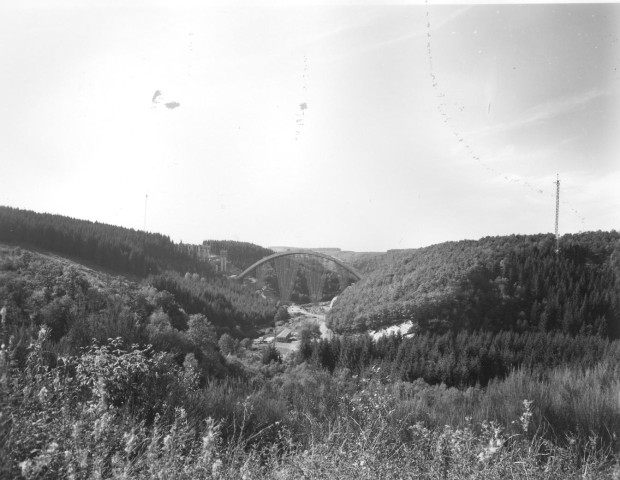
x,y
402,328
312,312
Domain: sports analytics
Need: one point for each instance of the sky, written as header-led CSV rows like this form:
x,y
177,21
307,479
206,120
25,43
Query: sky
x,y
358,125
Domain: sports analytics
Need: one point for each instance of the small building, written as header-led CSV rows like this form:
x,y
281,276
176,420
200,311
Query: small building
x,y
284,335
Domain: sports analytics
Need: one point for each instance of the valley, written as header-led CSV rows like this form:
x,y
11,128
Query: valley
x,y
484,351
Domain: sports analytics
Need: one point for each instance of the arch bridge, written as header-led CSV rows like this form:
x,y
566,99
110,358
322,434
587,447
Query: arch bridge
x,y
286,266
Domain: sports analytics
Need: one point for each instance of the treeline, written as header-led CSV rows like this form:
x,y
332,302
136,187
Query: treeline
x,y
119,249
240,254
516,283
459,360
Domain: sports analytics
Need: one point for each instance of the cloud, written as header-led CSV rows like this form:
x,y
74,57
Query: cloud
x,y
453,16
560,106
421,32
370,19
543,112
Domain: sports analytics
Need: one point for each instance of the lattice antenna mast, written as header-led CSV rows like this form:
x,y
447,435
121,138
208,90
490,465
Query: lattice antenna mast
x,y
557,213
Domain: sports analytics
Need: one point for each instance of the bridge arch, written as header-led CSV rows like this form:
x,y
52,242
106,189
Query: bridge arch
x,y
311,253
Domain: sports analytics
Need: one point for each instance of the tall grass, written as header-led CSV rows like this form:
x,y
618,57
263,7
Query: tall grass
x,y
569,401
70,422
566,402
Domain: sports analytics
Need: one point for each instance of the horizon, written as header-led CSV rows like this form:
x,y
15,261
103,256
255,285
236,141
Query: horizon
x,y
281,246
368,127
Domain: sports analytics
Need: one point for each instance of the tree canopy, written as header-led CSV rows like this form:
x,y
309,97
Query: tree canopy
x,y
516,282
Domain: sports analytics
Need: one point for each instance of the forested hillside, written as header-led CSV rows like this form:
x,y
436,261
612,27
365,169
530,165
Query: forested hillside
x,y
101,377
240,254
119,249
514,283
77,305
183,285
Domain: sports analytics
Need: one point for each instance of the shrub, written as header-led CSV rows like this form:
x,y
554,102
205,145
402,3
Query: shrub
x,y
271,354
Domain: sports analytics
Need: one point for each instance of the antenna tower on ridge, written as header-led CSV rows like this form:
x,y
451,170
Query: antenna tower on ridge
x,y
557,213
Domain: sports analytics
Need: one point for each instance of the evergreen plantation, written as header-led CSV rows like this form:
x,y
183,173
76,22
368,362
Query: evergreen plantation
x,y
118,249
463,359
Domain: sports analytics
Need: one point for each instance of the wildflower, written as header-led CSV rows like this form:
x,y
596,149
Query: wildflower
x,y
494,445
526,416
83,459
208,441
101,425
77,428
482,456
245,471
26,467
216,467
42,395
130,440
101,392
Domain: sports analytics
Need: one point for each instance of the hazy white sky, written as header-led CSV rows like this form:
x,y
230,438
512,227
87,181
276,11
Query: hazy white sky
x,y
365,127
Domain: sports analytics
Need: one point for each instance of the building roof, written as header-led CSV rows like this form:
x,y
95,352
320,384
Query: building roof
x,y
284,333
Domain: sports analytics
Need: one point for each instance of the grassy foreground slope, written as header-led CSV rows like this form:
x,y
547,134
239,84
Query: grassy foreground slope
x,y
516,282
